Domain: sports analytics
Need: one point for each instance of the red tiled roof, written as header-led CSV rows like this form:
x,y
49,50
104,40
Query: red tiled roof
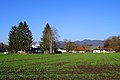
x,y
79,49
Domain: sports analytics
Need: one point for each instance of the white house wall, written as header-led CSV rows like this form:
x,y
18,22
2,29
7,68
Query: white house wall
x,y
63,51
96,51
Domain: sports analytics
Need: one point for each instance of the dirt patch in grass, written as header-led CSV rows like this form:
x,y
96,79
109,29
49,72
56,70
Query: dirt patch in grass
x,y
82,69
70,73
95,69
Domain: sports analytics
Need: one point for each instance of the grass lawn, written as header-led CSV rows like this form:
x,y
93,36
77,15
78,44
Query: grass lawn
x,y
60,66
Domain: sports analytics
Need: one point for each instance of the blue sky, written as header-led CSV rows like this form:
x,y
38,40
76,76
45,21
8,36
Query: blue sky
x,y
74,19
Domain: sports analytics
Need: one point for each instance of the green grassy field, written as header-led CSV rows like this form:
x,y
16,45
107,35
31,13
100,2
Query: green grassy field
x,y
60,66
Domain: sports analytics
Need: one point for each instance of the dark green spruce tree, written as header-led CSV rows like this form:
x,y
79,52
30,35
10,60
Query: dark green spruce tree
x,y
13,46
27,36
22,38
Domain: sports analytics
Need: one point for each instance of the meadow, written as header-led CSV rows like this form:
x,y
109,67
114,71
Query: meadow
x,y
60,66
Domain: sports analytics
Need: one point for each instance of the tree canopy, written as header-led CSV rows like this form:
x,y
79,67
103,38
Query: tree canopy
x,y
113,42
49,39
69,45
20,38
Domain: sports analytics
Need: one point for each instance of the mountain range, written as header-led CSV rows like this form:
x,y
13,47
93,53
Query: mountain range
x,y
60,44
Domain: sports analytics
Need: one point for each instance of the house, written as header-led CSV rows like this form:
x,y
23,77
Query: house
x,y
92,49
35,44
96,51
36,47
79,50
107,50
62,50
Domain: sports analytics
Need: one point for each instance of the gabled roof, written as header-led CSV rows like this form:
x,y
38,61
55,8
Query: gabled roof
x,y
35,44
92,47
79,49
106,49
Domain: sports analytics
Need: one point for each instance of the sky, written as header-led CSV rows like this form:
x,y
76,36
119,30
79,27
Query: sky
x,y
74,19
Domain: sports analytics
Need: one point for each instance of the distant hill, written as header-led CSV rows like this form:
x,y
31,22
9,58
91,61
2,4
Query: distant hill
x,y
85,42
60,44
90,42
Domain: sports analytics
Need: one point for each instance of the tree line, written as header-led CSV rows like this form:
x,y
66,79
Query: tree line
x,y
20,39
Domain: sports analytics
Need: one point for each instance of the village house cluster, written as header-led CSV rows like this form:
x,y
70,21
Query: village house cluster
x,y
86,49
89,49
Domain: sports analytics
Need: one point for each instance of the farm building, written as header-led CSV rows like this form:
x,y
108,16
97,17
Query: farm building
x,y
61,50
36,47
79,50
107,50
92,49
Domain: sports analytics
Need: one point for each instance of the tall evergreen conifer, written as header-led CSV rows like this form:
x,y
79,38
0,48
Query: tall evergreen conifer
x,y
20,38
